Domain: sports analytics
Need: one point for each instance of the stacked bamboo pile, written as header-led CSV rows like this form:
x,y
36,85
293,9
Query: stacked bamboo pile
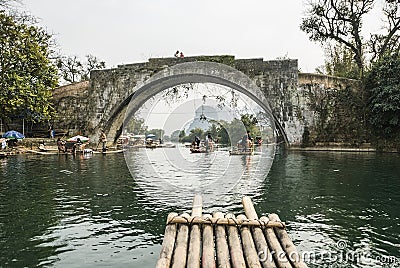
x,y
227,241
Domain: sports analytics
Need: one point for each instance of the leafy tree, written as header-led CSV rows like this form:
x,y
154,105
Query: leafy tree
x,y
341,22
250,123
72,69
136,126
159,133
339,61
383,87
27,76
182,134
175,135
193,133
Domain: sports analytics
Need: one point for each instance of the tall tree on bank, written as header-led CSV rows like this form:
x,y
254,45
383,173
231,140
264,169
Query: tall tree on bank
x,y
383,87
341,21
27,76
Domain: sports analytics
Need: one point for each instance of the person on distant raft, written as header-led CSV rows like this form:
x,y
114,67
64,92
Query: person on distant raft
x,y
103,140
61,146
181,55
209,141
246,140
177,54
197,142
51,131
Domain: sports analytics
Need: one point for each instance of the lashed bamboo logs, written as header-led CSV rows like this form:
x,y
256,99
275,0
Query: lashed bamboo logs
x,y
239,242
235,248
287,244
263,252
278,253
168,244
194,253
208,260
227,221
181,245
249,248
222,250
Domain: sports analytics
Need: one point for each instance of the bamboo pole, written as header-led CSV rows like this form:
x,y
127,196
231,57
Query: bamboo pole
x,y
228,221
208,260
164,261
249,248
235,248
194,253
181,245
263,251
287,244
222,250
278,253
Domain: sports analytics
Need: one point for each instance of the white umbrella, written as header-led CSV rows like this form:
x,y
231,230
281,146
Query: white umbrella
x,y
82,138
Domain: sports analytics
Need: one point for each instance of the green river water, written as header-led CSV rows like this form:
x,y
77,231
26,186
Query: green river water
x,y
341,209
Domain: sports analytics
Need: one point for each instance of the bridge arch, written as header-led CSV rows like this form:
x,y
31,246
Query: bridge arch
x,y
188,72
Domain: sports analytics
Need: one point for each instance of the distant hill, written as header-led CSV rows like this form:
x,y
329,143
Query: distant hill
x,y
210,113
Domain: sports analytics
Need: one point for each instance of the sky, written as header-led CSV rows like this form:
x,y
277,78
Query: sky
x,y
130,31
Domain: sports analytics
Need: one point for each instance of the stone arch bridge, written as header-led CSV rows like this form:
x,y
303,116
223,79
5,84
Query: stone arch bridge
x,y
294,98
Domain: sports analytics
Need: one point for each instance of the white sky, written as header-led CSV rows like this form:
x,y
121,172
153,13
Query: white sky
x,y
128,31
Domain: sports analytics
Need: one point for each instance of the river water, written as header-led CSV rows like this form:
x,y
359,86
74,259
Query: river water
x,y
341,209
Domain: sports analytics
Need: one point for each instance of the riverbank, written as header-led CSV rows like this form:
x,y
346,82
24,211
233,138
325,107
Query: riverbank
x,y
31,146
343,147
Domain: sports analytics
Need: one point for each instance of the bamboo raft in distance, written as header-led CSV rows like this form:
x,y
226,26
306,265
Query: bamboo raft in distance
x,y
227,241
238,152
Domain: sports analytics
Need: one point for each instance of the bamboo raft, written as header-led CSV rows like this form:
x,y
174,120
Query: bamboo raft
x,y
227,241
199,150
238,152
8,153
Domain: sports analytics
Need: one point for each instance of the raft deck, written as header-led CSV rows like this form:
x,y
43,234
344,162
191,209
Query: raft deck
x,y
226,240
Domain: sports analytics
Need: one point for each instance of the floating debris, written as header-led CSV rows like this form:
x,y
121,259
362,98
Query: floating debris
x,y
66,171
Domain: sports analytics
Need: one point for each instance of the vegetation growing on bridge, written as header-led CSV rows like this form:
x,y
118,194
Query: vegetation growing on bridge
x,y
224,59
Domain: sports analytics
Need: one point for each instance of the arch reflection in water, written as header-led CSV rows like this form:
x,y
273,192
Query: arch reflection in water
x,y
219,177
